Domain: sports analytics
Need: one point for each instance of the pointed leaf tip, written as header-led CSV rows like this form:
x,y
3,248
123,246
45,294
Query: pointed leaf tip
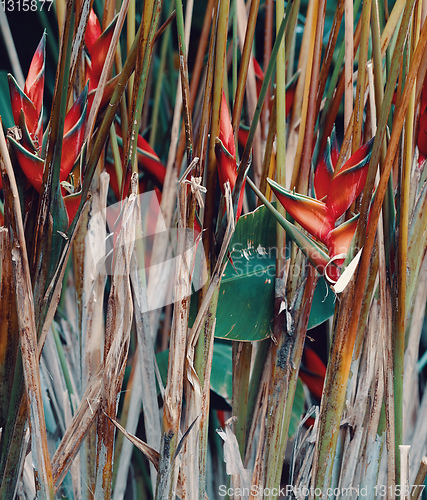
x,y
34,85
313,215
348,183
20,101
93,31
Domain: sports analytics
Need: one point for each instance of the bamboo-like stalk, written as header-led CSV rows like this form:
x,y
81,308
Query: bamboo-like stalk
x,y
243,68
327,61
220,49
143,62
268,44
159,83
195,76
246,153
348,67
301,99
130,37
116,343
361,76
311,118
419,480
400,323
280,106
183,69
347,319
242,355
27,327
286,359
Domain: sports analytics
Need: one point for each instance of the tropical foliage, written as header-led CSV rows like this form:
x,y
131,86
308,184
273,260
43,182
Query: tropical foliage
x,y
213,250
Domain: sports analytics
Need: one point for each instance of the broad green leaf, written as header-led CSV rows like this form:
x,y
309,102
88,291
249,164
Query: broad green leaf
x,y
246,297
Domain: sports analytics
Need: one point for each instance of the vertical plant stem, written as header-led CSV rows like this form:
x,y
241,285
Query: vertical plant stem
x,y
244,65
302,100
220,48
242,354
286,359
27,327
312,97
400,324
280,103
158,91
361,76
268,43
349,312
183,68
348,67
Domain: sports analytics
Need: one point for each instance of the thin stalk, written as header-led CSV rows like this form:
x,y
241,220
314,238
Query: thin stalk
x,y
348,67
159,83
306,56
311,117
280,103
202,142
330,49
268,44
246,153
27,328
419,480
139,89
183,68
234,65
361,76
268,169
220,49
351,299
196,73
402,261
244,65
242,355
130,37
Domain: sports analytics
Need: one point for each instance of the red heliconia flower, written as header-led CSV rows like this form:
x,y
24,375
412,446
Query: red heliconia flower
x,y
74,126
326,167
225,152
318,217
259,75
27,108
148,161
313,372
289,99
348,183
97,43
30,100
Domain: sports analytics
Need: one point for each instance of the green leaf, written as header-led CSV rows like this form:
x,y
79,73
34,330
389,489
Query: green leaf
x,y
323,305
221,376
5,106
297,408
222,370
246,296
